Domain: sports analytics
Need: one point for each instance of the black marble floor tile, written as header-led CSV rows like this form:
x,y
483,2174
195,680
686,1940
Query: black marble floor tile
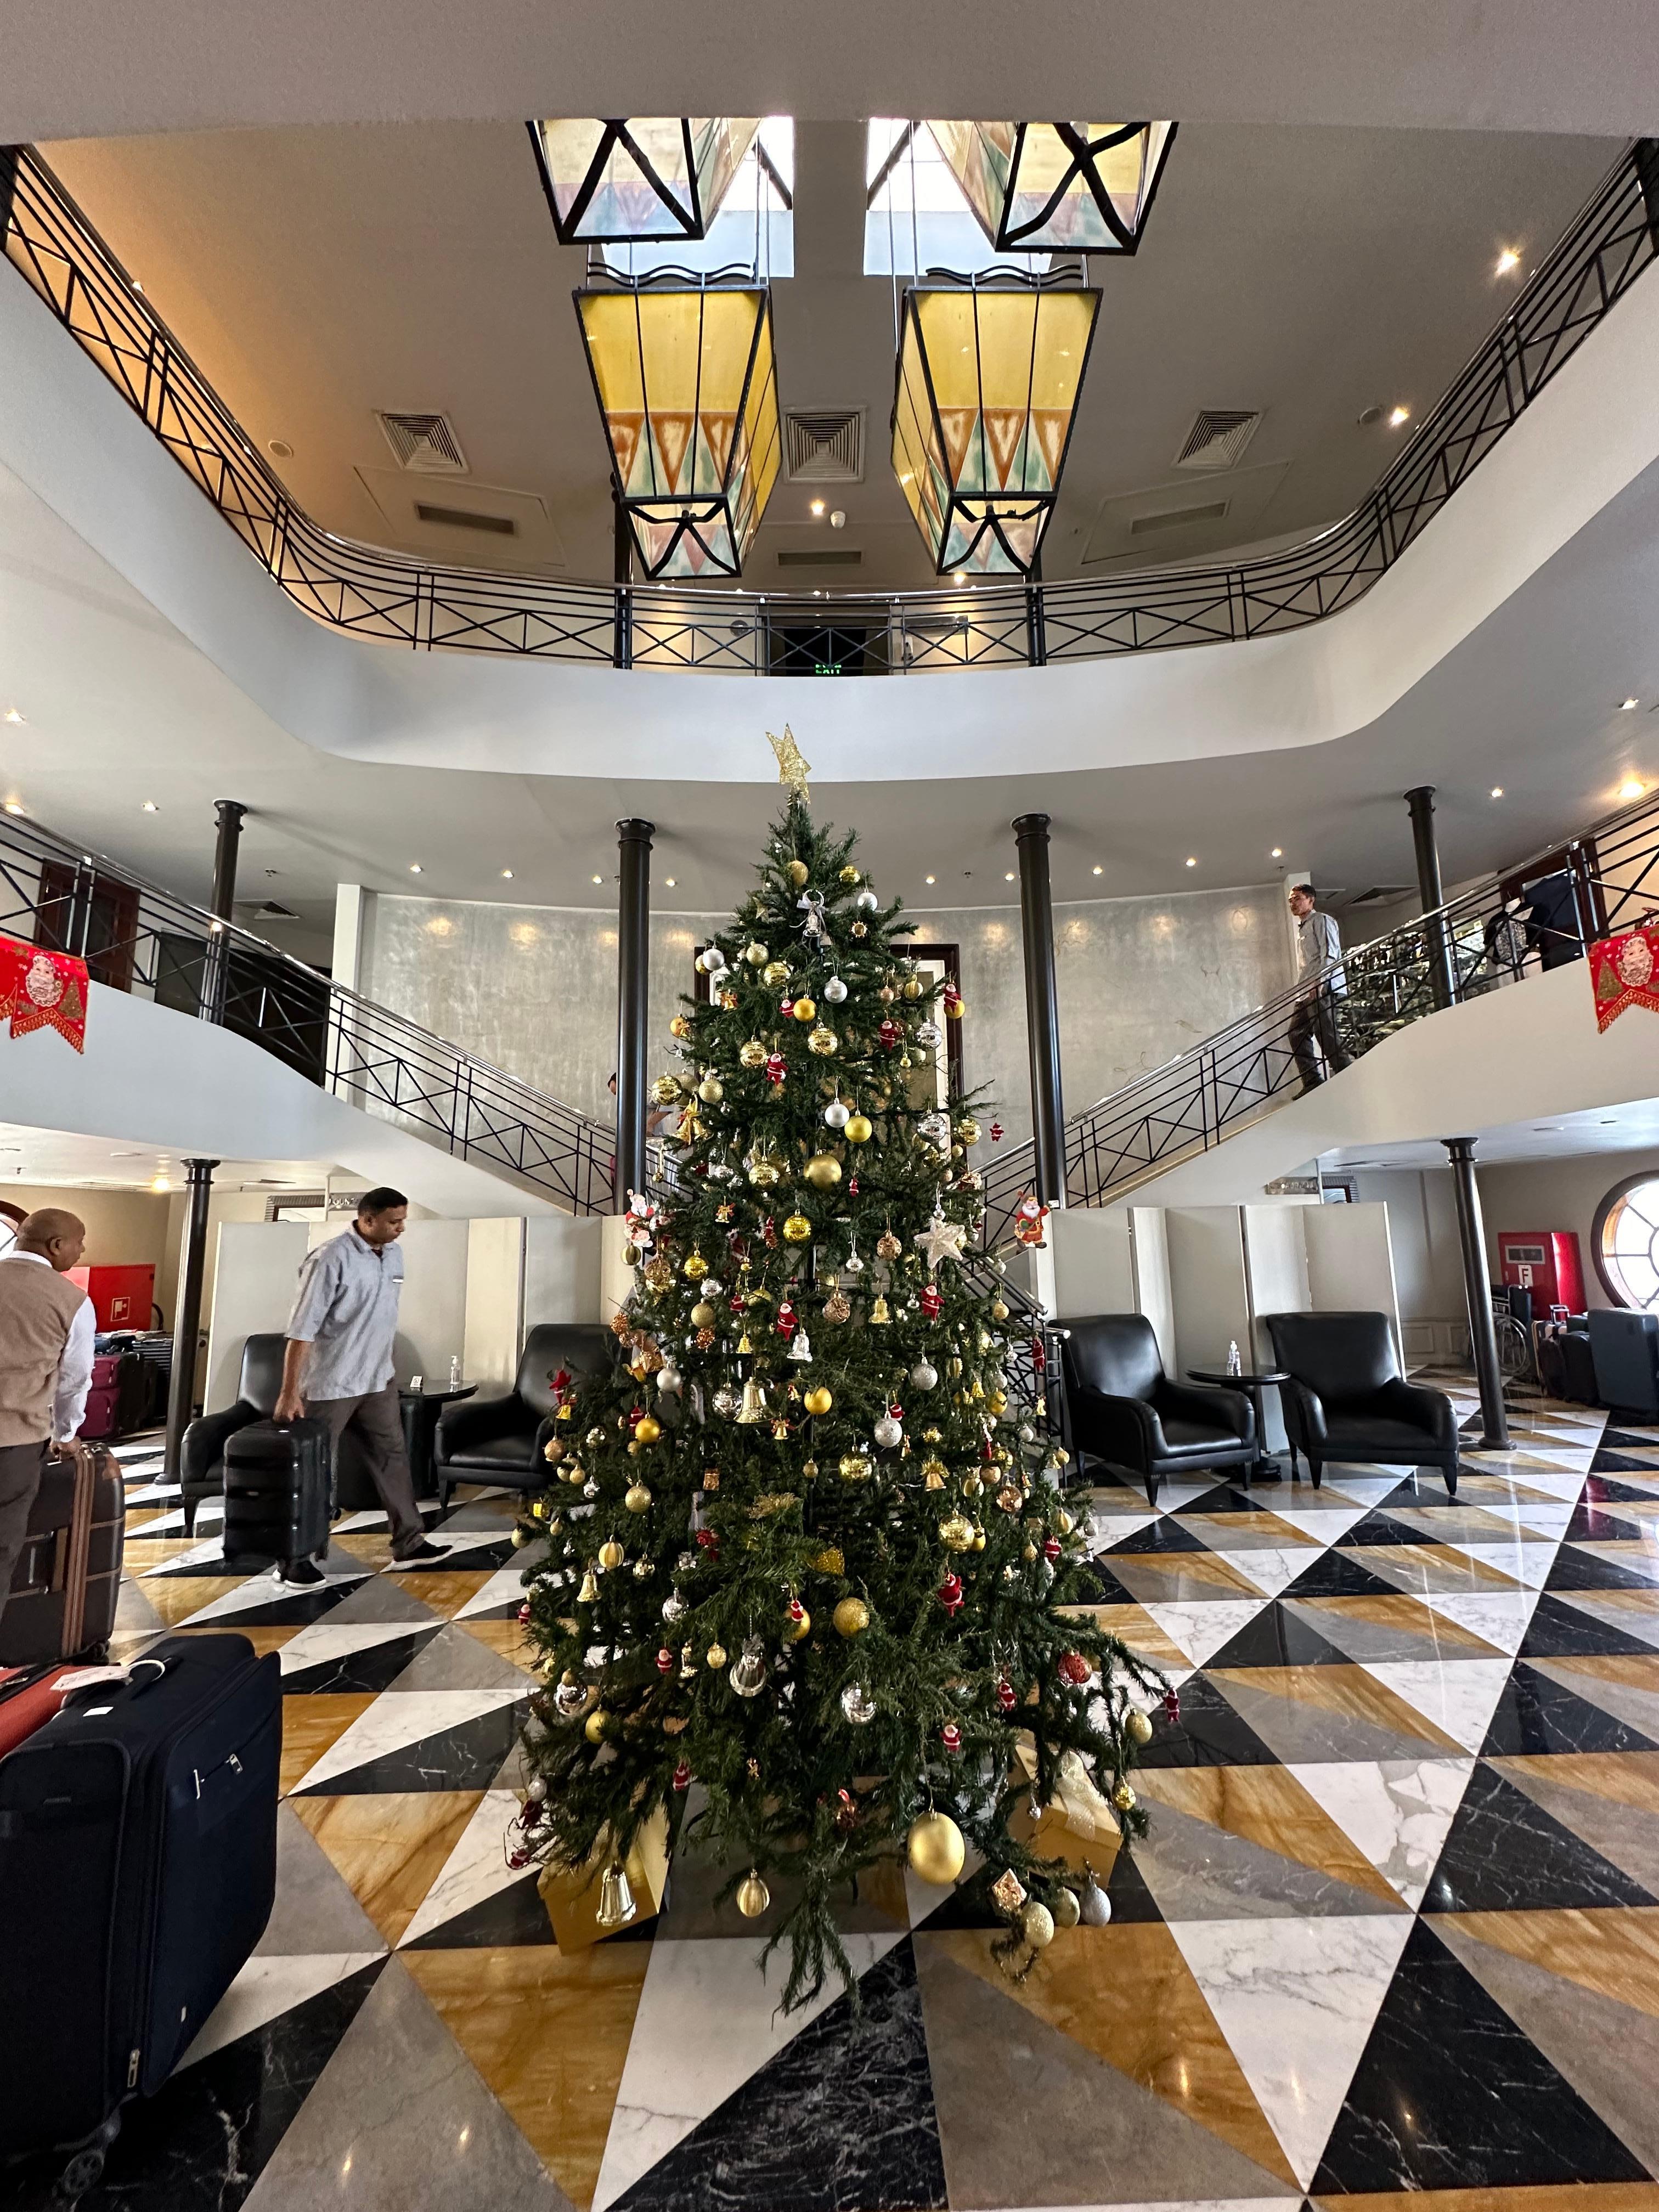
x,y
1618,1440
1592,1524
1415,1490
1379,1527
1449,2093
294,1609
1577,1570
1131,1901
1277,1638
203,2142
840,2120
1562,1632
1091,1582
1506,1854
514,1917
1603,1489
1209,1733
1340,1574
375,1667
1228,1497
1535,1715
1161,1535
465,1758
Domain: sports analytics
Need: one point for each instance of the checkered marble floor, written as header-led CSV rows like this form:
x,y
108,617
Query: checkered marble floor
x,y
1395,1927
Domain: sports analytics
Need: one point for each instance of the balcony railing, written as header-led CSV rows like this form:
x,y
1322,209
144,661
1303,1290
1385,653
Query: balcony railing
x,y
1602,881
392,598
139,938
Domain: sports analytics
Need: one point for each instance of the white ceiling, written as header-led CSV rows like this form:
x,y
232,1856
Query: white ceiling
x,y
1628,1128
317,275
66,1161
103,66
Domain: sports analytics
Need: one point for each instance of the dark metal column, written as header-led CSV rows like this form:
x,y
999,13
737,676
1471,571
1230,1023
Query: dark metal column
x,y
8,190
1443,974
228,813
633,1003
187,1316
1036,922
1477,1289
1645,153
622,652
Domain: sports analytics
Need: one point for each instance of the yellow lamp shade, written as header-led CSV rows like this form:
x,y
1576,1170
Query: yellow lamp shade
x,y
988,379
1070,187
687,385
638,177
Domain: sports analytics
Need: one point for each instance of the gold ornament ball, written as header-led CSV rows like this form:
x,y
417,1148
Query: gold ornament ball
x,y
752,1055
553,1448
823,1041
717,1656
796,1229
806,1010
854,1467
1137,1725
703,1315
1064,1908
711,1090
763,1174
1036,1925
753,1895
775,974
610,1552
849,874
1124,1798
935,1849
638,1497
912,988
957,1533
696,1268
859,1130
822,1171
665,1090
999,1310
648,1430
679,1027
793,1630
756,955
597,1721
818,1400
968,1130
796,873
852,1617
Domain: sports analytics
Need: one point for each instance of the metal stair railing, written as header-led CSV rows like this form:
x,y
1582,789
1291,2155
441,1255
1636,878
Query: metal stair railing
x,y
1602,881
137,937
395,598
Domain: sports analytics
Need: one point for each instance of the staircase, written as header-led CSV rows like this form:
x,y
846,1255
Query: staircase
x,y
1607,878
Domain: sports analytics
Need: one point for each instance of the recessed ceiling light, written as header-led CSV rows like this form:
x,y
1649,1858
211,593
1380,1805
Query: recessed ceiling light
x,y
12,714
598,880
1508,259
670,881
817,507
1100,871
14,807
1277,854
1630,789
930,879
506,875
415,868
1397,415
280,448
1191,860
1625,707
1497,791
1009,877
150,807
160,1184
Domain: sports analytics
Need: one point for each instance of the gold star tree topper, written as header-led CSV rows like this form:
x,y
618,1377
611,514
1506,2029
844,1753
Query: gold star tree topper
x,y
792,767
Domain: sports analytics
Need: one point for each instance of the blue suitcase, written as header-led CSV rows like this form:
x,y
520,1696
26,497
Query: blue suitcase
x,y
138,1871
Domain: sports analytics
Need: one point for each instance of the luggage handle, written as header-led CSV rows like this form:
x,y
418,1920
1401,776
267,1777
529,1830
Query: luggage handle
x,y
137,1687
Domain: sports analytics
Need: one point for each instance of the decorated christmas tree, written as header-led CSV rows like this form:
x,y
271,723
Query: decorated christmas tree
x,y
799,1545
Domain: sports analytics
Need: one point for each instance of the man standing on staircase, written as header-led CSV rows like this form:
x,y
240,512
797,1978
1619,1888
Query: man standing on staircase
x,y
339,1345
46,1325
1318,943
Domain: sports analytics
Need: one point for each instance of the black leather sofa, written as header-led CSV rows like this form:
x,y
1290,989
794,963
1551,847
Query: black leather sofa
x,y
1624,1346
1347,1399
499,1440
202,1460
1124,1410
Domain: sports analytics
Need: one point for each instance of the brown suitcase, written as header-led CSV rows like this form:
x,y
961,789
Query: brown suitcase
x,y
68,1576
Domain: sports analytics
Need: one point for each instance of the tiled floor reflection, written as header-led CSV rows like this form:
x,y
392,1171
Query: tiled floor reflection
x,y
1394,1928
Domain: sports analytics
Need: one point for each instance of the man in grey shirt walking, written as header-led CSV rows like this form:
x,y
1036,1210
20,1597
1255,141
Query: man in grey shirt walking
x,y
1318,943
339,1349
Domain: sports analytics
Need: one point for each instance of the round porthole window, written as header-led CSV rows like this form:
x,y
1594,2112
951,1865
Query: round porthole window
x,y
1625,1243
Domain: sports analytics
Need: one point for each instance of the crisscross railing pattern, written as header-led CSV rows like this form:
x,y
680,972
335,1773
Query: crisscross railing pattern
x,y
137,937
393,599
1601,882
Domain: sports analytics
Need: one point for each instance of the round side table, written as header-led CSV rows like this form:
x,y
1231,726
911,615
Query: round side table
x,y
1263,1468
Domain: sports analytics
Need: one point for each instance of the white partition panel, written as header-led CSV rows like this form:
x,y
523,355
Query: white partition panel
x,y
1093,1261
254,1277
494,1300
1276,1280
1150,1250
1206,1282
1350,1264
562,1268
432,1313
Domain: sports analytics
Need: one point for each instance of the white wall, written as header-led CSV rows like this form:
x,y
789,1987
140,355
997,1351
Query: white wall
x,y
1350,1264
1207,1284
432,1311
255,1266
494,1300
1428,1260
562,1268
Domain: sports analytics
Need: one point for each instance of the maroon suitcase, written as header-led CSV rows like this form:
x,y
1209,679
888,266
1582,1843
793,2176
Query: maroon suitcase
x,y
68,1576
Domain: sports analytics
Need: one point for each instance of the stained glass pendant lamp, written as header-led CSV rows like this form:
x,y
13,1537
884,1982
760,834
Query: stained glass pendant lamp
x,y
988,378
1059,187
687,384
638,177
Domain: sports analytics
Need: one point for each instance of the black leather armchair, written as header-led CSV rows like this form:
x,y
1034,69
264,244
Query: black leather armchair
x,y
1347,1399
1624,1346
202,1460
499,1440
1125,1411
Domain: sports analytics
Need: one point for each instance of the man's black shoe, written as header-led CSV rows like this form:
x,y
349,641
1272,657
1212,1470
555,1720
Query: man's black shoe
x,y
422,1551
298,1570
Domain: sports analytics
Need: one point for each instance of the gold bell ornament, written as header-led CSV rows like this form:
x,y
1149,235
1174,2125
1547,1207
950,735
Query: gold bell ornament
x,y
879,1316
616,1905
589,1590
753,1409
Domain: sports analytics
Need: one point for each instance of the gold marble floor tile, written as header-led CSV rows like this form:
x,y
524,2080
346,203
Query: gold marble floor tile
x,y
1625,1778
1127,1995
390,1846
1614,1950
312,1725
175,1597
1410,1616
1173,1576
1642,1606
1136,1628
1568,2196
1632,1670
373,1547
505,1638
146,1552
1435,1567
550,2034
1248,1531
446,1592
1266,1805
1348,1692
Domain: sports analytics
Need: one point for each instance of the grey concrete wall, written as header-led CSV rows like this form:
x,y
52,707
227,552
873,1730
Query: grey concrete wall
x,y
534,988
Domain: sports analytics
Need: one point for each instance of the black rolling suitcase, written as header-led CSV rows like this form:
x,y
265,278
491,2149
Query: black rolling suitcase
x,y
276,1493
137,1869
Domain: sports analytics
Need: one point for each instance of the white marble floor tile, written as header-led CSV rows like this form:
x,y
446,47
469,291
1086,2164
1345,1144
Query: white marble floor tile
x,y
267,1987
1501,1617
506,1583
1325,1524
1296,2000
327,1639
1528,1562
398,1717
1399,1811
475,1870
1202,1628
677,2072
1459,1697
267,1588
1272,1570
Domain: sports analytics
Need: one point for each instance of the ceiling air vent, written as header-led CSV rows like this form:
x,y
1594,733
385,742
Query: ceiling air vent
x,y
837,557
466,518
1218,438
424,444
1380,895
825,448
1175,518
269,910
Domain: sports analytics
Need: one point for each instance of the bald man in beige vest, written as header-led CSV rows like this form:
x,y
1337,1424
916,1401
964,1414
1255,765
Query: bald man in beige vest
x,y
46,1325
